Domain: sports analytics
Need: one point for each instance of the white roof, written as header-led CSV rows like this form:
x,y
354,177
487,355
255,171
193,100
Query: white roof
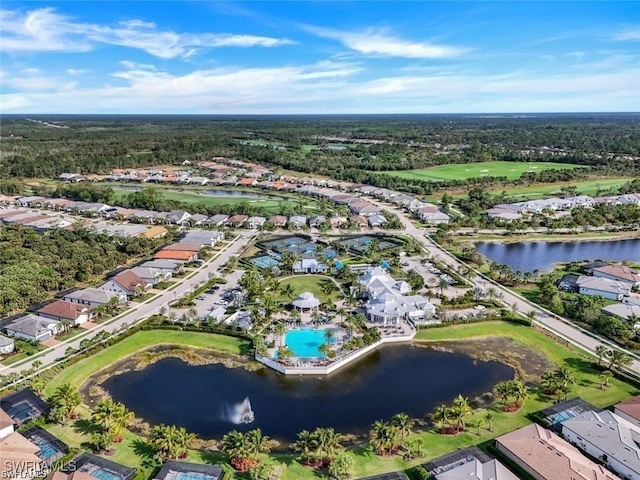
x,y
306,300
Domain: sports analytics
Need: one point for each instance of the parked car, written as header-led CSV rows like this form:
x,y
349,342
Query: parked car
x,y
201,297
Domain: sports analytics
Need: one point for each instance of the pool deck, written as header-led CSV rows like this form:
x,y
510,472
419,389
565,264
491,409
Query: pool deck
x,y
325,366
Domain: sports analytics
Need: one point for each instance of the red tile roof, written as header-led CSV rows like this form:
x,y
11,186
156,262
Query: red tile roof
x,y
63,309
129,280
175,255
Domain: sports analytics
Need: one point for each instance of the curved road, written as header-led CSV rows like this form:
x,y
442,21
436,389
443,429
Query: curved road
x,y
563,328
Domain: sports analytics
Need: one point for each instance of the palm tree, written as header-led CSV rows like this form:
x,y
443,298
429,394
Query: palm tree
x,y
102,440
104,414
605,377
326,349
404,424
121,419
67,399
503,390
601,352
618,359
257,442
481,423
490,417
442,285
306,444
520,391
288,291
184,441
383,437
280,330
37,385
441,416
564,377
342,312
236,445
164,442
461,410
531,315
328,444
329,335
492,293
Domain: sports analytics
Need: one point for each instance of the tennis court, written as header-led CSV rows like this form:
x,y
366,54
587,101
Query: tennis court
x,y
265,261
360,244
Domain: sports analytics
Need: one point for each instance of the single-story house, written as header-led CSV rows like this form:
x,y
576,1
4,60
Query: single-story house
x,y
178,217
216,314
18,455
309,265
569,282
376,220
155,232
298,221
620,273
7,345
247,182
606,436
60,310
433,218
278,220
184,246
126,282
316,220
358,220
504,214
256,222
622,310
198,180
545,456
629,410
33,328
152,275
237,220
611,289
218,220
93,297
197,219
172,266
183,255
337,222
205,238
363,208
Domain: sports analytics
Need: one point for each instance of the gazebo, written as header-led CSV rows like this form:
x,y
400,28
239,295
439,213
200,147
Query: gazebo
x,y
306,301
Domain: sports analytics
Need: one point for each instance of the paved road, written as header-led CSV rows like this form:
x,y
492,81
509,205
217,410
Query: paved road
x,y
564,328
144,310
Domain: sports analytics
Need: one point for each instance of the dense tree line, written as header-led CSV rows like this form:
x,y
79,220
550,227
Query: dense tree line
x,y
34,266
99,144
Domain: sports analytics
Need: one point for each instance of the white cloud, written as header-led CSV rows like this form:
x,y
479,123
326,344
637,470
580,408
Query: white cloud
x,y
45,30
331,87
629,34
77,71
377,42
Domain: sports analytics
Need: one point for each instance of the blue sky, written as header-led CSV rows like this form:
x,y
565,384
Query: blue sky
x,y
319,57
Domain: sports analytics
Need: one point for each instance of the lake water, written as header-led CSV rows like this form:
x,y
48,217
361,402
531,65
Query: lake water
x,y
390,380
529,256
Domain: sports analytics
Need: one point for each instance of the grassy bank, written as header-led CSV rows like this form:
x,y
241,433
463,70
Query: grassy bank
x,y
549,237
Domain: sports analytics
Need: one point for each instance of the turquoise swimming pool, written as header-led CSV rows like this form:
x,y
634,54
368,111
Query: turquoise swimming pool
x,y
305,342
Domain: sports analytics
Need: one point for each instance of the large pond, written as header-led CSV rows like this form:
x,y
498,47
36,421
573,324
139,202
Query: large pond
x,y
392,379
529,256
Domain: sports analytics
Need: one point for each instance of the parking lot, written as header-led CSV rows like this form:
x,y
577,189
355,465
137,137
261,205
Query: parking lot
x,y
431,277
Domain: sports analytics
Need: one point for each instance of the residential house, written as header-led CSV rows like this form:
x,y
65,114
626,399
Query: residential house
x,y
182,255
256,222
18,459
93,297
33,328
216,314
60,310
178,217
504,214
237,220
247,182
545,456
172,266
218,220
198,180
476,470
309,265
620,273
298,221
625,311
278,220
569,282
388,300
338,222
155,232
32,201
173,470
358,220
7,345
363,208
376,220
629,410
197,219
126,282
205,238
152,275
606,436
184,246
317,220
435,218
604,287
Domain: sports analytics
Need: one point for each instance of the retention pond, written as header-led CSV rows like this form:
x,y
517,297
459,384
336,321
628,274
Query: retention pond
x,y
206,398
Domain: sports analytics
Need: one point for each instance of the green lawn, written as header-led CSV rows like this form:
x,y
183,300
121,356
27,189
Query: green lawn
x,y
78,373
511,170
313,284
366,463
